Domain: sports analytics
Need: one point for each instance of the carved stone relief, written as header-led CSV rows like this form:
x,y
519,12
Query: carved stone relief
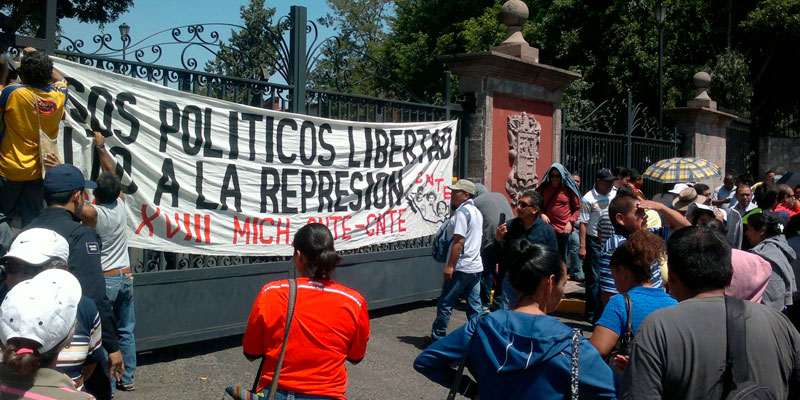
x,y
524,134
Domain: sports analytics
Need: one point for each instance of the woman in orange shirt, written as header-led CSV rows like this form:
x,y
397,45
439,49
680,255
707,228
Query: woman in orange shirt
x,y
330,324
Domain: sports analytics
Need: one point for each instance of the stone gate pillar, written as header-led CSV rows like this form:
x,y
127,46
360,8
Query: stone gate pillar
x,y
702,127
515,128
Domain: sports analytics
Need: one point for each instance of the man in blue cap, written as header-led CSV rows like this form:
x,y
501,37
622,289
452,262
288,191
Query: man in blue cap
x,y
64,187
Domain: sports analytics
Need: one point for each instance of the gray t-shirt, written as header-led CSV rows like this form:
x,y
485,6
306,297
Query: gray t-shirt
x,y
111,223
679,352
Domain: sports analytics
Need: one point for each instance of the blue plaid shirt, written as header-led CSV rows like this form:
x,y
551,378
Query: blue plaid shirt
x,y
616,240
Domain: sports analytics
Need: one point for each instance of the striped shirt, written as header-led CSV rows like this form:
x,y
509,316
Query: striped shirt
x,y
86,345
593,206
606,280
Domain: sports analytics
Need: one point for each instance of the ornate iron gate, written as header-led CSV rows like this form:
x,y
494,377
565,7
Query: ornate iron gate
x,y
183,298
591,142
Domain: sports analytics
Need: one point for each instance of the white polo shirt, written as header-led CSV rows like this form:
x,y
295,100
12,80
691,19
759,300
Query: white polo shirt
x,y
472,231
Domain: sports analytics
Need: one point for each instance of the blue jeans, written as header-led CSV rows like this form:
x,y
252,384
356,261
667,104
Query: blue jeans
x,y
119,289
462,283
26,197
591,271
574,266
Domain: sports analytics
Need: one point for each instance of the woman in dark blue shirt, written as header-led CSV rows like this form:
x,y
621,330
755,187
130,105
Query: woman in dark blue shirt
x,y
521,353
630,268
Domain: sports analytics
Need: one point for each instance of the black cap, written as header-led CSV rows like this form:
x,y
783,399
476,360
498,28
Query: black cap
x,y
606,174
65,178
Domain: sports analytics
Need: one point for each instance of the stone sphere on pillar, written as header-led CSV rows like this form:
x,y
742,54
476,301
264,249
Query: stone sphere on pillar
x,y
514,13
702,80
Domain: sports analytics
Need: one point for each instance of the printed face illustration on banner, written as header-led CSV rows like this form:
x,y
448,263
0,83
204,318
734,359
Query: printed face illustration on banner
x,y
206,176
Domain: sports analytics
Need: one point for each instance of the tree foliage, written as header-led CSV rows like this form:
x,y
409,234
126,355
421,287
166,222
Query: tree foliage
x,y
252,52
25,15
349,61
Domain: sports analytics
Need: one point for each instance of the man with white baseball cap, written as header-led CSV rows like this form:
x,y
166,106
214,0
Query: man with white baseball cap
x,y
37,320
37,250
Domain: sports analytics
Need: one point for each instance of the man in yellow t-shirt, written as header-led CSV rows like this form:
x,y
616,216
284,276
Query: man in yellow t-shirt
x,y
37,104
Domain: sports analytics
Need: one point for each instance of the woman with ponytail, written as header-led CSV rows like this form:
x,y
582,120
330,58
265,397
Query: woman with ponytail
x,y
521,353
630,268
765,233
330,324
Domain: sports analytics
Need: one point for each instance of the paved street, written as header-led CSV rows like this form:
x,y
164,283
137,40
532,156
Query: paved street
x,y
203,370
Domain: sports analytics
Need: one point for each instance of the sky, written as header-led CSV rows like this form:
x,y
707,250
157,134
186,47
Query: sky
x,y
150,16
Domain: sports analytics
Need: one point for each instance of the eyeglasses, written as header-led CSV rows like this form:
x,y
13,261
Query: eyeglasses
x,y
523,204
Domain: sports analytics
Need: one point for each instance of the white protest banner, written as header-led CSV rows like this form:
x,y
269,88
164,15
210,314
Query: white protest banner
x,y
206,176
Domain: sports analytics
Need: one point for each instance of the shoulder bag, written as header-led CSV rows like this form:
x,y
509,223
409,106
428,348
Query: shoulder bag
x,y
736,378
460,371
237,392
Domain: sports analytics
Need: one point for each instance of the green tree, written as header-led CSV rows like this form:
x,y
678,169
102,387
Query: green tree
x,y
26,15
349,60
252,52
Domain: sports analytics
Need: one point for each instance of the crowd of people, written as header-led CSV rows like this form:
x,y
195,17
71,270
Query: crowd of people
x,y
56,228
666,280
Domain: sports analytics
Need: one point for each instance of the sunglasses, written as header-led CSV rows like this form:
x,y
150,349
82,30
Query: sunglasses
x,y
555,176
523,204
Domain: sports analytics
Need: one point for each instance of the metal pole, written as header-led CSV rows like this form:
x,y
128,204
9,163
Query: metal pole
x,y
447,95
628,129
297,59
660,79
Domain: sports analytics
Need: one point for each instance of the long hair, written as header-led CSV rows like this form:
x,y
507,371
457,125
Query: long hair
x,y
638,253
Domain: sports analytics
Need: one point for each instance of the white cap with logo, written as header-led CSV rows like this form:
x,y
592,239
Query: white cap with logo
x,y
42,309
37,246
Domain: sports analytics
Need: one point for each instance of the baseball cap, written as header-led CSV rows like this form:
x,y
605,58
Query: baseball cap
x,y
42,309
678,188
465,185
65,178
606,174
37,246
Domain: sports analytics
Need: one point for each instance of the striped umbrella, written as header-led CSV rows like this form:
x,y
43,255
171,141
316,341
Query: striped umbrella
x,y
682,169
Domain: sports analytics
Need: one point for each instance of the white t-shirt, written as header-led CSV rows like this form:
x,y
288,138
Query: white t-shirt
x,y
472,231
111,223
593,206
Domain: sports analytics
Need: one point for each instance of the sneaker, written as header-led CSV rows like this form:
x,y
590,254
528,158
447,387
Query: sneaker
x,y
125,388
427,341
576,278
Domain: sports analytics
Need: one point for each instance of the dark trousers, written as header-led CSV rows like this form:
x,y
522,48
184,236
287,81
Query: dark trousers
x,y
591,272
562,240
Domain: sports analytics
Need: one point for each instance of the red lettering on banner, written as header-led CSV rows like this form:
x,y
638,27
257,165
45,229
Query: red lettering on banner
x,y
334,219
187,223
241,230
400,220
439,184
345,229
429,179
147,220
261,231
283,232
446,193
207,230
171,234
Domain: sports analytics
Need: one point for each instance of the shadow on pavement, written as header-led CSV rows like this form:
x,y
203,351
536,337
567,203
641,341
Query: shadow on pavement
x,y
416,341
172,353
401,308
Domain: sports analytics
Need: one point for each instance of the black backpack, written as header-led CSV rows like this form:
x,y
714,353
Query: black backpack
x,y
736,380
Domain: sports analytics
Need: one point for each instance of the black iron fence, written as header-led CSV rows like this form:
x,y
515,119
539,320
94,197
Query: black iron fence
x,y
594,142
740,155
138,60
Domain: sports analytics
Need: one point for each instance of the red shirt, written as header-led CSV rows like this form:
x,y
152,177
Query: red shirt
x,y
791,212
330,324
561,207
